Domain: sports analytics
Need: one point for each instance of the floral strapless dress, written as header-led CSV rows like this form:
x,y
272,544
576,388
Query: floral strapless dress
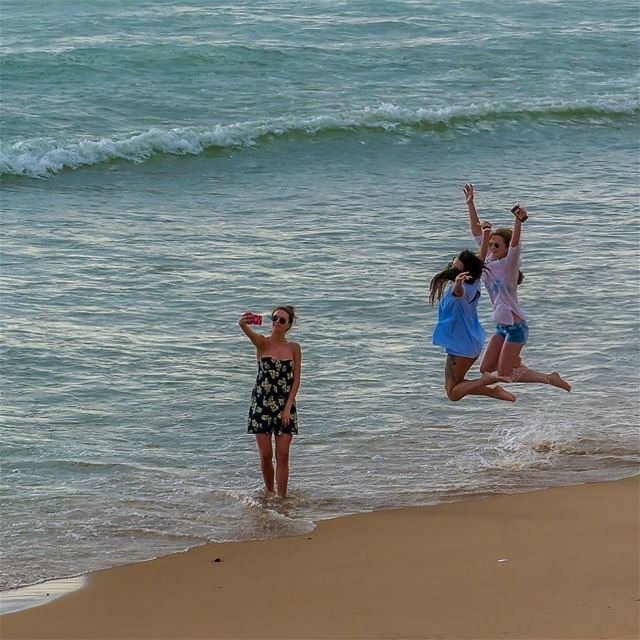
x,y
269,396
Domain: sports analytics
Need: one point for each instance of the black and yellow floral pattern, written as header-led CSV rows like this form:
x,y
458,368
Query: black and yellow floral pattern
x,y
269,397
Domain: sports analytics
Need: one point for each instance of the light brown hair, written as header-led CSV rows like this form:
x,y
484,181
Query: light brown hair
x,y
506,234
289,310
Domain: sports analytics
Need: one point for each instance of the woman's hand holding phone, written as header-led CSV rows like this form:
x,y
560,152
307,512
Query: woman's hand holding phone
x,y
249,318
519,212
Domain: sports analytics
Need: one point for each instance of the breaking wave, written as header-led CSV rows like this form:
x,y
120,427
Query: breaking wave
x,y
42,157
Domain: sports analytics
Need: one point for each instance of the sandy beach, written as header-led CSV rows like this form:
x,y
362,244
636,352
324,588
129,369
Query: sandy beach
x,y
559,563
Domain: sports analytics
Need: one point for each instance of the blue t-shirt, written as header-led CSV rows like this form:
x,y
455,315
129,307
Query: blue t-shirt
x,y
458,329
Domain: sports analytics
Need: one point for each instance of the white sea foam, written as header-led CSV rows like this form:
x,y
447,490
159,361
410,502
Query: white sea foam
x,y
41,157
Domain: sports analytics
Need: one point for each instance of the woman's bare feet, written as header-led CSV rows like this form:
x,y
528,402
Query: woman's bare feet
x,y
492,378
497,392
555,380
502,394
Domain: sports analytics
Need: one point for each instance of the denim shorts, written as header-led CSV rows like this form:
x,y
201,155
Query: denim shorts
x,y
518,332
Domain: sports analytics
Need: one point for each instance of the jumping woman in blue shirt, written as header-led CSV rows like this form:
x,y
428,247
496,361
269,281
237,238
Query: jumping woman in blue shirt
x,y
458,329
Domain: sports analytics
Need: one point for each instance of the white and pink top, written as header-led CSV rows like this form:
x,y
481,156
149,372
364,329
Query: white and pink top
x,y
501,280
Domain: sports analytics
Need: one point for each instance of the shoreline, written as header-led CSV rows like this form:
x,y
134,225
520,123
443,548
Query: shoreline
x,y
68,582
39,594
553,563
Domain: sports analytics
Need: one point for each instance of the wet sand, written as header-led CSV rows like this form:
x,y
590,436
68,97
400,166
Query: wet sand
x,y
559,563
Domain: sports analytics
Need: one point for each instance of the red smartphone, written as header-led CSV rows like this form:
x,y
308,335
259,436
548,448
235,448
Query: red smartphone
x,y
519,213
256,319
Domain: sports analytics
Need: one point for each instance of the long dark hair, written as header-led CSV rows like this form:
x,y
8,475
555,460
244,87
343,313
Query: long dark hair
x,y
472,264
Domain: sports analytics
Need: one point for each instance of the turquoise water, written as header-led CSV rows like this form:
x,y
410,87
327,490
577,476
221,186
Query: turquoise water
x,y
167,166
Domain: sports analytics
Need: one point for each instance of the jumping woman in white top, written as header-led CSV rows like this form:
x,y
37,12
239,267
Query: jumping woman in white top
x,y
501,279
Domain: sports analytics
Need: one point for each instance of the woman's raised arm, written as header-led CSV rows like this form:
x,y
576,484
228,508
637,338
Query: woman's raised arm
x,y
257,338
486,237
474,221
517,230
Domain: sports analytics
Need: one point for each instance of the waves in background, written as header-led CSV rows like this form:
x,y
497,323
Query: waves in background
x,y
40,157
168,165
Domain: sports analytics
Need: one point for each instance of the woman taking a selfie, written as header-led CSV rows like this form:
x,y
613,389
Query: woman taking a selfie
x,y
273,401
501,278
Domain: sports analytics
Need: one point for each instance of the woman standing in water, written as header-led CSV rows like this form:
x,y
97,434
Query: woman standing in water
x,y
458,329
273,401
501,279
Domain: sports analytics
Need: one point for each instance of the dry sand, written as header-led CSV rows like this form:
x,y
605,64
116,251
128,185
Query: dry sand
x,y
560,563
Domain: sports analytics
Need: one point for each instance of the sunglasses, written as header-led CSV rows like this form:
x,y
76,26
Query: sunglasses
x,y
494,244
278,320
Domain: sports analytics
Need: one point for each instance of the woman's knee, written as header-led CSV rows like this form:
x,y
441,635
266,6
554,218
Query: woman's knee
x,y
451,395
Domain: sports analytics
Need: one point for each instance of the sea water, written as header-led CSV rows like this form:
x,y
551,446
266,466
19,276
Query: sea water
x,y
169,165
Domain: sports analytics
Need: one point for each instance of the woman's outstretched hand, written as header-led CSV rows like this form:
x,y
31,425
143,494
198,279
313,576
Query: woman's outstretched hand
x,y
462,277
468,192
458,289
245,319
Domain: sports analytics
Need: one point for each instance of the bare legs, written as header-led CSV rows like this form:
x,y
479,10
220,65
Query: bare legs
x,y
497,392
283,442
505,358
492,354
266,459
457,387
